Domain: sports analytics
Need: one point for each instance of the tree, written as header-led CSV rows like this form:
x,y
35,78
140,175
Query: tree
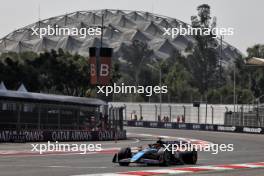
x,y
138,54
256,51
53,72
202,62
178,84
15,71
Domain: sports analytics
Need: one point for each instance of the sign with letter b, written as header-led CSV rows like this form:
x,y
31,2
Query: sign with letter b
x,y
100,65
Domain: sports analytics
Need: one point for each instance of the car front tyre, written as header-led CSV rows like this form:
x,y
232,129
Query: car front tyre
x,y
123,154
190,157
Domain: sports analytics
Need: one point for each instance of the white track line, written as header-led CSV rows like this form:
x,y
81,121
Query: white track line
x,y
181,170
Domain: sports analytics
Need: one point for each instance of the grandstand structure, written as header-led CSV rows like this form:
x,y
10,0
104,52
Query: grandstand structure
x,y
120,28
33,117
24,110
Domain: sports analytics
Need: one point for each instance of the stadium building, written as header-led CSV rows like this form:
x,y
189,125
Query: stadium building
x,y
121,28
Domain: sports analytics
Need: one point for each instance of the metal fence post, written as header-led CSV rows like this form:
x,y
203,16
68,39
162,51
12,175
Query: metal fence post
x,y
258,119
241,116
206,111
140,111
170,112
39,115
117,118
125,108
198,114
59,118
110,116
184,112
156,113
18,107
212,109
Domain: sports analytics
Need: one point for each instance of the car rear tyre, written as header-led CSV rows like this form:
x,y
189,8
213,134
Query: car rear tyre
x,y
164,157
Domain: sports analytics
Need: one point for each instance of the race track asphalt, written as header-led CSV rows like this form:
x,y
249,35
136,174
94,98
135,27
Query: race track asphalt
x,y
247,148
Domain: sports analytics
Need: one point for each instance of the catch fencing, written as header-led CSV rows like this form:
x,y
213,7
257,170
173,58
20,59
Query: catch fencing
x,y
243,115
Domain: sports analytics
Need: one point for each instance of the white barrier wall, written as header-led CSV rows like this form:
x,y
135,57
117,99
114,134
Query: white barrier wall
x,y
150,111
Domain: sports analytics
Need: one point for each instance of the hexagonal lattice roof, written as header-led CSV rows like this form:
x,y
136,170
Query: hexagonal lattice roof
x,y
121,28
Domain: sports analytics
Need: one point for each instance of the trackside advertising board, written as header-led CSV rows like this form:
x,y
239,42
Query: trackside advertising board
x,y
49,135
194,126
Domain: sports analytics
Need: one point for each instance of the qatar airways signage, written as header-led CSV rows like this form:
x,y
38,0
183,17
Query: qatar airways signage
x,y
40,135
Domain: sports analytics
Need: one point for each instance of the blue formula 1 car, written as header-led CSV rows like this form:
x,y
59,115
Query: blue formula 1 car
x,y
156,154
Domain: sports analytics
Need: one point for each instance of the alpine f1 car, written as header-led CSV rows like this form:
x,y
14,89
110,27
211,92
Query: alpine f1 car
x,y
159,153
